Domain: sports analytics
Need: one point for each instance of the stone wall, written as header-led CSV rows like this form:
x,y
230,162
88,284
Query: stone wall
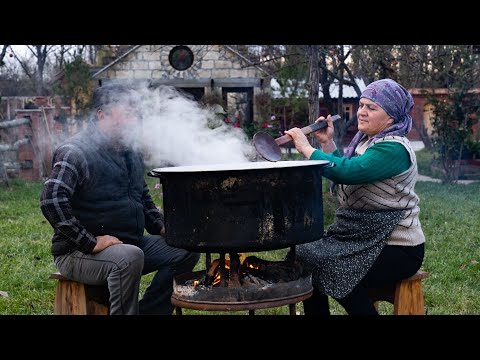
x,y
210,61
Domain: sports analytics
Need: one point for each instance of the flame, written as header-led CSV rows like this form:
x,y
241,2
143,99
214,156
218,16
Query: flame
x,y
252,266
217,278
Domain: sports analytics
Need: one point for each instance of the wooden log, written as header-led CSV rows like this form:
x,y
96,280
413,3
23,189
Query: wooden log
x,y
14,123
15,145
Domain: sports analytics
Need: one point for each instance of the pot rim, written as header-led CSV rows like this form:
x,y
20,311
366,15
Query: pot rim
x,y
258,165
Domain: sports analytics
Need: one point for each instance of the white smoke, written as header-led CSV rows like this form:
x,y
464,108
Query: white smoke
x,y
176,130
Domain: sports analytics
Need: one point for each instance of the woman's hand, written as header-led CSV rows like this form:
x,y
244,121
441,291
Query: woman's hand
x,y
325,135
301,142
105,241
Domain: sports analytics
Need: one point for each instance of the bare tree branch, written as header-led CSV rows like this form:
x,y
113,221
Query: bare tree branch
x,y
3,53
41,53
23,63
272,59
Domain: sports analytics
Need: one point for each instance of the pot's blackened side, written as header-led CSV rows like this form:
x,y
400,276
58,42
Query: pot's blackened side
x,y
243,210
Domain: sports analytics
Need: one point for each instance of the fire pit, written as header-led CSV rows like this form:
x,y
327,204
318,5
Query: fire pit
x,y
242,284
237,208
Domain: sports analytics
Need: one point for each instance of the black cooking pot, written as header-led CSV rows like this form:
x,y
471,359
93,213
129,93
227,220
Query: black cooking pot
x,y
242,207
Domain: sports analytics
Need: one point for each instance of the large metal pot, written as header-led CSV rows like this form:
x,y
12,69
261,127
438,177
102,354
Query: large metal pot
x,y
242,207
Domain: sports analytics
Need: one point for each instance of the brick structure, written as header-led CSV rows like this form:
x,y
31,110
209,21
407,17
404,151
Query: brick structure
x,y
422,112
27,142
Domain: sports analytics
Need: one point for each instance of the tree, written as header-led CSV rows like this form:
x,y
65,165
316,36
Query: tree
x,y
313,81
75,85
288,64
303,69
36,73
13,81
455,115
374,62
335,68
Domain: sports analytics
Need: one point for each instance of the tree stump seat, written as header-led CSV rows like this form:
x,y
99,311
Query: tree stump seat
x,y
75,298
406,296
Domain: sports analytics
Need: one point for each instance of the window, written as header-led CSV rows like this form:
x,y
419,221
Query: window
x,y
347,112
181,57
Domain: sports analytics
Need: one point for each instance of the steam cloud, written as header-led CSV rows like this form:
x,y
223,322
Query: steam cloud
x,y
175,130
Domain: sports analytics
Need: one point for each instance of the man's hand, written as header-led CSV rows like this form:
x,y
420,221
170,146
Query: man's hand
x,y
105,241
162,232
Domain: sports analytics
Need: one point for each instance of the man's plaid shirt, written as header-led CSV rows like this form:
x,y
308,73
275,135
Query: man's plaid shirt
x,y
70,170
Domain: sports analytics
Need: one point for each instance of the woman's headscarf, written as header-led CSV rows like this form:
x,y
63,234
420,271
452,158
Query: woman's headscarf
x,y
396,101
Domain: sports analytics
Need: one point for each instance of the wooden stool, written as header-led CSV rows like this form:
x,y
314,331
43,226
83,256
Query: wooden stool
x,y
406,296
74,298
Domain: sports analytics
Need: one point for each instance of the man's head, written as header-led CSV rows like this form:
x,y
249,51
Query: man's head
x,y
111,94
114,106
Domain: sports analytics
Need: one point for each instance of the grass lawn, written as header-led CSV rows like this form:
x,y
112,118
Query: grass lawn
x,y
449,215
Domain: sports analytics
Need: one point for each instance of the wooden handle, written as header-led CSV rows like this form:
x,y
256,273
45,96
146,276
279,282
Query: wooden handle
x,y
306,130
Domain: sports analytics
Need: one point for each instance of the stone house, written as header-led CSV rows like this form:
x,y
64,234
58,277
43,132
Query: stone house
x,y
212,73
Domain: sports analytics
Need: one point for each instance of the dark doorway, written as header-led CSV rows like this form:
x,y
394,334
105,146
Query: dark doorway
x,y
195,92
239,102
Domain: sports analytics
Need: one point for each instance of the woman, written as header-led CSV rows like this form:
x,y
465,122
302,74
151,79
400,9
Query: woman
x,y
376,238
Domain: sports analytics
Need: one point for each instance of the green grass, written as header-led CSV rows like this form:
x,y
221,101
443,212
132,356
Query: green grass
x,y
424,162
25,260
449,216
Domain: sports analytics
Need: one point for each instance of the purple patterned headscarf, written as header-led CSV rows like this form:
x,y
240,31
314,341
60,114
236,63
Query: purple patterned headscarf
x,y
396,101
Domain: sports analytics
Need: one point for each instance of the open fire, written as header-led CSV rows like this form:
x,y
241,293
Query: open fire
x,y
239,270
240,282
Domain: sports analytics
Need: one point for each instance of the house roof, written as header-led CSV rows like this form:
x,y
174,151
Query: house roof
x,y
94,70
116,60
348,91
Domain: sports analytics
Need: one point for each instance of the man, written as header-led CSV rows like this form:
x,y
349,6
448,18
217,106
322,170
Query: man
x,y
99,205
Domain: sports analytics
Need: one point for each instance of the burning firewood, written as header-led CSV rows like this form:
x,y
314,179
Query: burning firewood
x,y
253,271
211,273
251,279
273,271
234,270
